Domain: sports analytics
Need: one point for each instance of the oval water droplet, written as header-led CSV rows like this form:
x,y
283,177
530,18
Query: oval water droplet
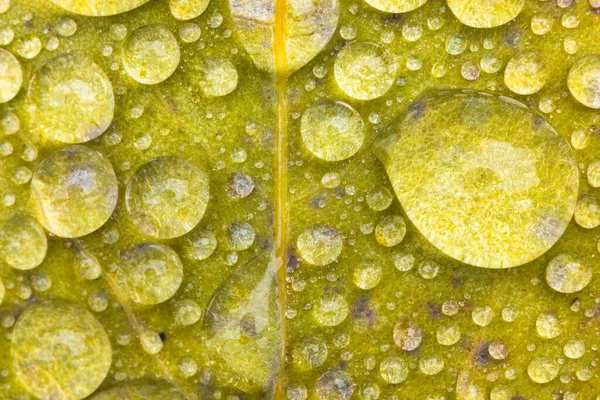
x,y
12,76
23,242
584,80
482,198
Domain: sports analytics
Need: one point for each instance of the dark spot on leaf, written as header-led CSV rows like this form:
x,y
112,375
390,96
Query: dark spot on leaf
x,y
163,336
482,355
362,311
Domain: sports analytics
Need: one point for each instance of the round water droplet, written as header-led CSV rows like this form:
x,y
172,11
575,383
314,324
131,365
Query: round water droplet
x,y
568,273
379,199
498,350
448,335
74,191
331,310
367,275
484,196
98,7
584,80
364,70
150,341
390,231
393,370
185,10
482,316
574,349
587,212
216,76
335,385
396,6
187,312
23,242
547,325
319,245
485,13
151,54
593,174
199,245
310,353
501,392
525,73
167,197
407,335
60,351
332,131
543,369
11,77
149,273
72,98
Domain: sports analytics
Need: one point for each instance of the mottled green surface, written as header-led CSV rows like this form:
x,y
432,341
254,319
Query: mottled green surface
x,y
378,316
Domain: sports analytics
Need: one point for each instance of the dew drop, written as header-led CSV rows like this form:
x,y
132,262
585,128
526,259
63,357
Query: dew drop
x,y
485,13
367,275
23,243
393,370
584,80
364,70
74,191
331,310
431,365
216,77
547,325
525,73
98,7
407,335
167,197
574,349
310,353
151,54
187,312
482,316
332,131
72,98
200,244
396,6
335,385
185,10
587,212
390,231
60,351
543,369
319,245
12,76
568,273
149,273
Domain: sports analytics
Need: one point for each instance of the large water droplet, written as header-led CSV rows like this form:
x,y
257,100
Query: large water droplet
x,y
584,80
184,10
485,13
396,6
72,99
74,191
568,273
242,329
151,54
141,390
11,77
99,7
167,197
310,26
525,73
60,351
471,171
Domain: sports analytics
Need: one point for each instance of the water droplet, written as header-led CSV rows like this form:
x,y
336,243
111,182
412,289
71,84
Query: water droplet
x,y
482,316
185,10
379,199
587,212
23,242
332,131
216,76
547,325
584,80
167,197
467,202
60,351
85,264
390,231
543,369
407,335
367,275
593,173
574,349
66,27
242,236
149,273
28,46
73,99
428,269
150,341
12,76
335,385
364,70
331,180
485,13
98,7
310,353
568,273
498,350
396,6
187,312
525,73
240,185
541,25
393,370
151,54
242,329
199,245
74,191
404,262
319,245
187,366
331,310
190,33
448,335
